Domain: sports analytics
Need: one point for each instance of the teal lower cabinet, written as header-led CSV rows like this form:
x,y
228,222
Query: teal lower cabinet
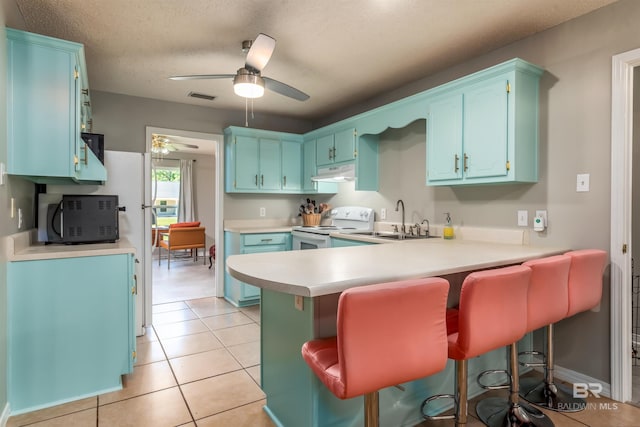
x,y
337,242
295,396
239,293
70,328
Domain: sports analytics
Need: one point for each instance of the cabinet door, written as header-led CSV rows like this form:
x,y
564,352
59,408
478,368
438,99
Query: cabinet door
x,y
42,127
291,165
486,129
345,145
270,164
247,162
324,150
444,139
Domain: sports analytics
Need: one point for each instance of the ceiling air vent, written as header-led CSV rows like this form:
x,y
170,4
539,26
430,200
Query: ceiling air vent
x,y
202,96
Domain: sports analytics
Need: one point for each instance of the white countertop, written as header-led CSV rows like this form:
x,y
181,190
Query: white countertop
x,y
23,247
319,272
250,226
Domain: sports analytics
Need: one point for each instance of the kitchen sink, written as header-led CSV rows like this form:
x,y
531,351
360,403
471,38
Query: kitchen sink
x,y
392,235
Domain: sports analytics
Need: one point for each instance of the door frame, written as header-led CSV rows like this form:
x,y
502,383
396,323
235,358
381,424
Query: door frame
x,y
217,140
621,201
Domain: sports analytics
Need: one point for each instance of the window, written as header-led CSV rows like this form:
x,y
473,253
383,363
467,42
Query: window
x,y
165,186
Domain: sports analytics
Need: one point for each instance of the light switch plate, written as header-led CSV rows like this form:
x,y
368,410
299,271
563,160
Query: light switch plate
x,y
582,184
523,218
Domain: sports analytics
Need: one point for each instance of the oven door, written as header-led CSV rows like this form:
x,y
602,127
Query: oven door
x,y
303,240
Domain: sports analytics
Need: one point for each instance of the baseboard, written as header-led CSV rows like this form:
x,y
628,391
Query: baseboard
x,y
573,377
4,417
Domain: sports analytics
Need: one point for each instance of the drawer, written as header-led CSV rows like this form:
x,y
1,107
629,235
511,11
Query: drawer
x,y
264,239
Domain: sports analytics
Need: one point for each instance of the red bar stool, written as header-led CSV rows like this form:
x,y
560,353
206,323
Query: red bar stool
x,y
584,291
490,316
387,334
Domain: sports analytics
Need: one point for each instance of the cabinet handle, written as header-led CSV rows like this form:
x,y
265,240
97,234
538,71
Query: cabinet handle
x,y
256,180
262,180
285,181
266,240
465,162
330,151
85,91
334,153
86,155
456,159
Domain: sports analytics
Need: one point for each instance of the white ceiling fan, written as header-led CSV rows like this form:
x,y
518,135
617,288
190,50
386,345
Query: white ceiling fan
x,y
163,145
248,82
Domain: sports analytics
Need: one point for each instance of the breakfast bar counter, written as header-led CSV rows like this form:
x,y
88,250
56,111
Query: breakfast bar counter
x,y
313,273
299,296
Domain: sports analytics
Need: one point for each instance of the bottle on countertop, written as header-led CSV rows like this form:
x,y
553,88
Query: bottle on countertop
x,y
448,228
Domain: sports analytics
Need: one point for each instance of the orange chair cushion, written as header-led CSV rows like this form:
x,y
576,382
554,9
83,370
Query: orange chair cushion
x,y
185,224
548,296
585,279
387,334
492,311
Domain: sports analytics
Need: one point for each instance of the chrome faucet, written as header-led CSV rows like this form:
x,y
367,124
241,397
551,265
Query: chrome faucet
x,y
398,203
427,221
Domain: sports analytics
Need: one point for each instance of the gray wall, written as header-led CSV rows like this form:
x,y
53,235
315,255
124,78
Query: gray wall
x,y
575,137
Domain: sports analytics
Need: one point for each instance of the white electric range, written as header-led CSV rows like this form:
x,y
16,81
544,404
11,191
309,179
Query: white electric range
x,y
345,219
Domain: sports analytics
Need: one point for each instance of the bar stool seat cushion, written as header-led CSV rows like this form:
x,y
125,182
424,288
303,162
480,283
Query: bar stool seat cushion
x,y
487,298
387,334
585,279
548,297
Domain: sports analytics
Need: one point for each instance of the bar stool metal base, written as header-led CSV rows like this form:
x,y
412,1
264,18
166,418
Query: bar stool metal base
x,y
498,412
550,396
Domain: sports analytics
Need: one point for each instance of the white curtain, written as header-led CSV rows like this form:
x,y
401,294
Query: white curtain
x,y
186,202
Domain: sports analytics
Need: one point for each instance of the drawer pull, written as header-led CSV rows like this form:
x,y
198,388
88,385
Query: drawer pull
x,y
266,240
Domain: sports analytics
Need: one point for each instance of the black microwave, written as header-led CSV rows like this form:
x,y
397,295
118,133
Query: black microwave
x,y
83,219
95,142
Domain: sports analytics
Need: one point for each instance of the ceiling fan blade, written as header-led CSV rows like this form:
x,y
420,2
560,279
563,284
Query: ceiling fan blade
x,y
260,52
203,76
284,89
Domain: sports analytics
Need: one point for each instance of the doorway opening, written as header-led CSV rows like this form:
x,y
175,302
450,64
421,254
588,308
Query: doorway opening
x,y
189,163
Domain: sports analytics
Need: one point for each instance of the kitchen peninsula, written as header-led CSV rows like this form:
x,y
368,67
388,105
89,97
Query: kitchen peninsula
x,y
300,290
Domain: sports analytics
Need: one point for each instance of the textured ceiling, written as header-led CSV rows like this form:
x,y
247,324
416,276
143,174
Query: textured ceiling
x,y
340,52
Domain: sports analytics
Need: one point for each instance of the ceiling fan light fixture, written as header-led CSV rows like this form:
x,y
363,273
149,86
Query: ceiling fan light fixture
x,y
248,85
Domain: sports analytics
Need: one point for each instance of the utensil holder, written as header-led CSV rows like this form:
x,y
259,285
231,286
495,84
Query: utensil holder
x,y
311,219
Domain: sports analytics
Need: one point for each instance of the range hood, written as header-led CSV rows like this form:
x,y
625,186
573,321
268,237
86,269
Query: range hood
x,y
341,173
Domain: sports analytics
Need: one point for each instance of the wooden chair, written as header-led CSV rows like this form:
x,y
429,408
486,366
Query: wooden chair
x,y
180,237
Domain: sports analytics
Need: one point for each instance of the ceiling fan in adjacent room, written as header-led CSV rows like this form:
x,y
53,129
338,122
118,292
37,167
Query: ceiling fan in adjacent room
x,y
248,82
163,145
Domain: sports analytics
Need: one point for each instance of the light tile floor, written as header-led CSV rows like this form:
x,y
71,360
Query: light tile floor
x,y
199,366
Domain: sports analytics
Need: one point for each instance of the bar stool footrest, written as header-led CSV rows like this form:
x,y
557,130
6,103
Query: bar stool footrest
x,y
533,364
550,396
494,387
434,398
499,412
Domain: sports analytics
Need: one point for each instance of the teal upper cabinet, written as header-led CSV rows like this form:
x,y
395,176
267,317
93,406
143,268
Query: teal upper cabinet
x,y
336,148
48,107
259,161
291,165
483,128
309,169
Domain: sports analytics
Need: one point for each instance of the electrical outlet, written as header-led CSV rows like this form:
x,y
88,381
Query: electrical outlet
x,y
383,213
542,214
263,212
523,218
299,303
